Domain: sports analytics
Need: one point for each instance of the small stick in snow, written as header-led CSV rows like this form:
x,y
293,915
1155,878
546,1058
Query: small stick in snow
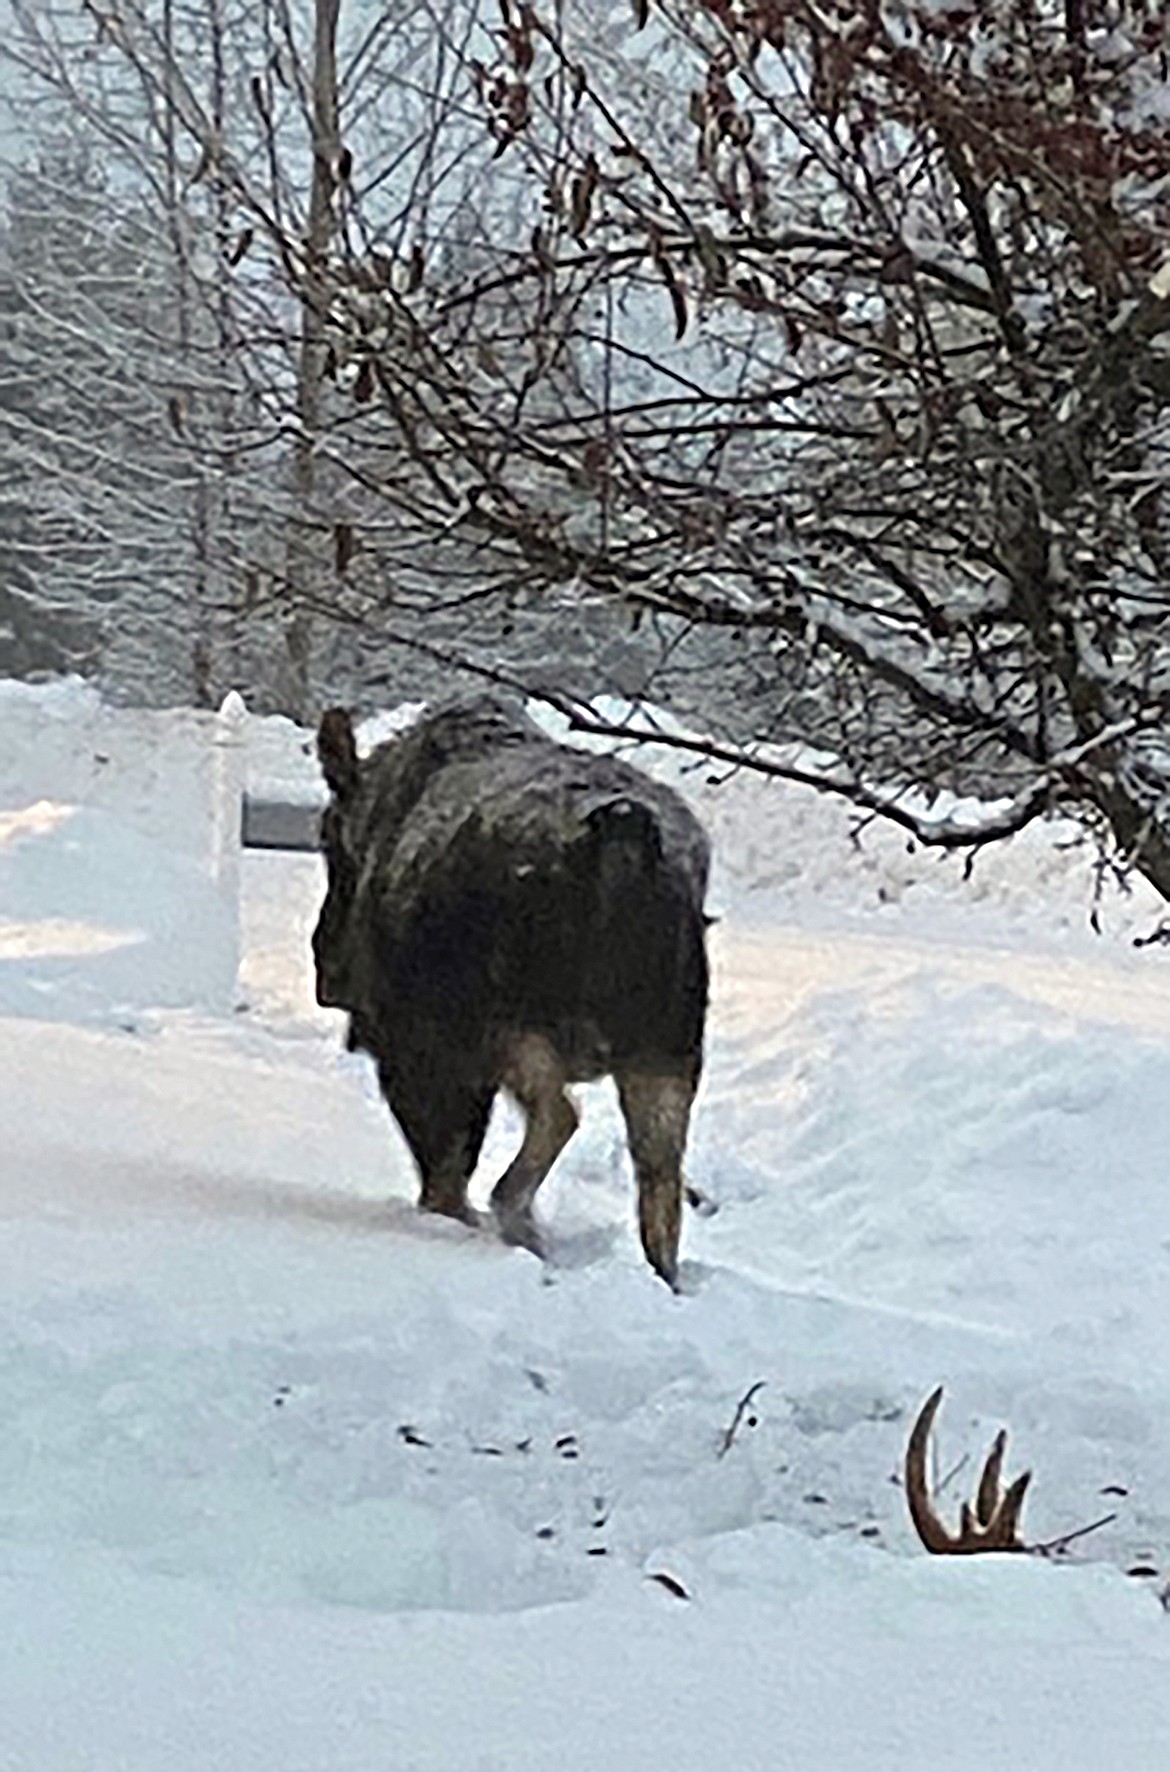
x,y
670,1582
944,1483
410,1436
1055,1547
741,1409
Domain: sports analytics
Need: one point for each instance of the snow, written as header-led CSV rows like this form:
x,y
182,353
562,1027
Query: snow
x,y
109,901
293,1477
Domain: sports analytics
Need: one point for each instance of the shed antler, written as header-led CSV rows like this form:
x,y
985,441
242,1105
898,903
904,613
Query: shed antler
x,y
991,1525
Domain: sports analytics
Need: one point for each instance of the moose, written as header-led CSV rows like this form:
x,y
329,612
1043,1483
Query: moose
x,y
507,912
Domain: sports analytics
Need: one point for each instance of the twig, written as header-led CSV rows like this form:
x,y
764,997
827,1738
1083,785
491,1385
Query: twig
x,y
741,1409
671,1583
944,1483
1054,1546
1159,937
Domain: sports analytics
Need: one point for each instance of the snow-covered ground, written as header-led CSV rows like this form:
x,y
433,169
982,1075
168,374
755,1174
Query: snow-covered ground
x,y
293,1479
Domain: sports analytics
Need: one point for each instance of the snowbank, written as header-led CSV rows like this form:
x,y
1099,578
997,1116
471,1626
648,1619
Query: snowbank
x,y
291,1476
112,892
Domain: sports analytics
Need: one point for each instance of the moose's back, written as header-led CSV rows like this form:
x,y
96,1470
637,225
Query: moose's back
x,y
536,887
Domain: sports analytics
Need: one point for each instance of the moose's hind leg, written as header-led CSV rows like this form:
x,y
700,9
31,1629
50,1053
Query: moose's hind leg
x,y
535,1076
657,1109
443,1119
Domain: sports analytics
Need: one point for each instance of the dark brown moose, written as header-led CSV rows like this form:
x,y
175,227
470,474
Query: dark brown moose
x,y
504,911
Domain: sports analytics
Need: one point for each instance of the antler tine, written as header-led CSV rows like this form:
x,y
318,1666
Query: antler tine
x,y
927,1524
988,1496
992,1524
1012,1506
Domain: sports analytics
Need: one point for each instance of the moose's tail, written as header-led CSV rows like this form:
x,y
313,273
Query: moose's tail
x,y
628,843
650,968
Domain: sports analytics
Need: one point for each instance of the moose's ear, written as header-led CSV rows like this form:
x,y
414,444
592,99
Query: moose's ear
x,y
338,752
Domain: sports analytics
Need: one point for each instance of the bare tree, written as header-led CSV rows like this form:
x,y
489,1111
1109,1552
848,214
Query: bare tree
x,y
825,341
134,402
917,265
282,162
75,415
861,318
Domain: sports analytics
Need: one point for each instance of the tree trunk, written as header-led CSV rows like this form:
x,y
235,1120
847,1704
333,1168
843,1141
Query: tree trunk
x,y
298,633
201,646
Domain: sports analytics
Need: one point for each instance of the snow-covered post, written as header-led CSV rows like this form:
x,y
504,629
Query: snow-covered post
x,y
228,769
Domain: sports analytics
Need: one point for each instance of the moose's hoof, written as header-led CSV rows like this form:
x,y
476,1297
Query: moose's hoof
x,y
519,1229
668,1271
449,1208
